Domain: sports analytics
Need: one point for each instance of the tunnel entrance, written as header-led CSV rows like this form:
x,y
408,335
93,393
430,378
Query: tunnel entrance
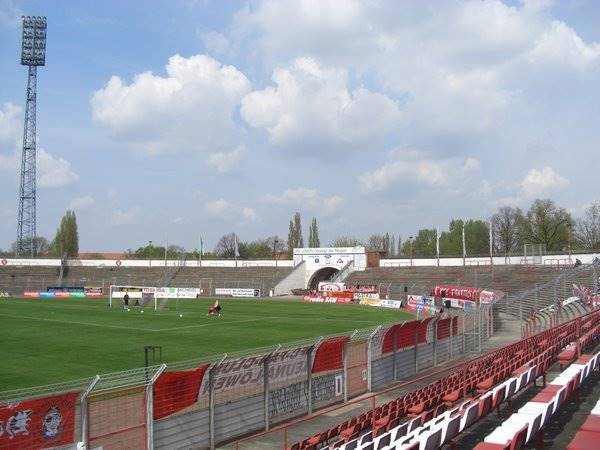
x,y
324,274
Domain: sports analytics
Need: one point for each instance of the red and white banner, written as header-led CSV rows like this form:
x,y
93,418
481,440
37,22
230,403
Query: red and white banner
x,y
174,391
457,292
316,299
41,423
329,286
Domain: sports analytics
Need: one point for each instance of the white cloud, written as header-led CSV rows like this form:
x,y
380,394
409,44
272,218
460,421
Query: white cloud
x,y
54,172
11,127
306,198
215,42
10,14
540,182
561,47
312,106
226,161
462,69
79,203
189,109
249,214
408,167
124,217
216,206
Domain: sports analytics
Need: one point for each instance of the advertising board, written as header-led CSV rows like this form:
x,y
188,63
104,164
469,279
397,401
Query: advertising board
x,y
318,299
238,292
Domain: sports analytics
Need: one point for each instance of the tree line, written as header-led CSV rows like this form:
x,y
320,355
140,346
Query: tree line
x,y
542,223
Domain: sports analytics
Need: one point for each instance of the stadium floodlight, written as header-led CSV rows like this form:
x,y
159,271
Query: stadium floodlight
x,y
33,49
33,54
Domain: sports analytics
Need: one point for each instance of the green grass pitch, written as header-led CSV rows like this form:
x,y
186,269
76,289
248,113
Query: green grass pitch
x,y
48,341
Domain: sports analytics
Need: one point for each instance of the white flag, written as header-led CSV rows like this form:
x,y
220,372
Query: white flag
x,y
237,248
437,242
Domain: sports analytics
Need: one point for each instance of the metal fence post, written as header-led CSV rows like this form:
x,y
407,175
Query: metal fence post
x,y
464,329
309,360
416,342
451,338
435,338
211,402
150,407
85,413
345,362
266,384
394,356
370,358
479,320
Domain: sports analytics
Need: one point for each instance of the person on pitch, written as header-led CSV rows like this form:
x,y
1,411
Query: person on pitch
x,y
215,310
126,300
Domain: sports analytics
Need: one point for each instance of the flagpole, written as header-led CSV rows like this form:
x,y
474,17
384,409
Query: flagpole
x,y
464,246
437,245
491,245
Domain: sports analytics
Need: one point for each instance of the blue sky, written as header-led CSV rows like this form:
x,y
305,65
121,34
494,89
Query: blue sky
x,y
188,118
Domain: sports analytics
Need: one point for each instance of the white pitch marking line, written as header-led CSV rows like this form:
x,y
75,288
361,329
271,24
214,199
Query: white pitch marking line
x,y
77,323
207,324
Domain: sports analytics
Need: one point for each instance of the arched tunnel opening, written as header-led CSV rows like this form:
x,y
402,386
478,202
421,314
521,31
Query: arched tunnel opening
x,y
324,274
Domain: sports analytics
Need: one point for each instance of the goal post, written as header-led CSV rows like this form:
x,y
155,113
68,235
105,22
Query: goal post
x,y
158,297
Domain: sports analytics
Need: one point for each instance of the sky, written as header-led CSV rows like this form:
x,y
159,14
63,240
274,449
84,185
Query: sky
x,y
180,119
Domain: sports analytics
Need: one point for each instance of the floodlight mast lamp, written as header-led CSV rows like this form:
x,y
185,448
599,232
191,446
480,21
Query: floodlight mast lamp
x,y
33,54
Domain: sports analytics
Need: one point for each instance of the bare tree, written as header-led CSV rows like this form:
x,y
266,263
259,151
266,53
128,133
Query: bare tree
x,y
226,246
376,243
505,228
587,230
346,241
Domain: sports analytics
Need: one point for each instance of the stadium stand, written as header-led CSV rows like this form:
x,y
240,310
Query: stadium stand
x,y
16,280
509,279
432,419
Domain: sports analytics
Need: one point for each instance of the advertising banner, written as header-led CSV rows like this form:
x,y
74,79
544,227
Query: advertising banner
x,y
64,289
369,301
391,304
317,299
490,296
381,303
41,423
329,286
457,292
285,365
358,295
237,292
133,292
93,291
31,294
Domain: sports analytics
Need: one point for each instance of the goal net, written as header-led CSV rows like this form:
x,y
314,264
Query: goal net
x,y
147,296
533,253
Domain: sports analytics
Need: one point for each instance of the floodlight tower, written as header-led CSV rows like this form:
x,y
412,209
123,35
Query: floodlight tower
x,y
33,54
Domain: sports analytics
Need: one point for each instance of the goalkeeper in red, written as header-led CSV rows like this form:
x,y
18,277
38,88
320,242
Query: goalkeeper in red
x,y
215,310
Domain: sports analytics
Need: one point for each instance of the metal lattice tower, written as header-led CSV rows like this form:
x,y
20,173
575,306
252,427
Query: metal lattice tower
x,y
33,54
